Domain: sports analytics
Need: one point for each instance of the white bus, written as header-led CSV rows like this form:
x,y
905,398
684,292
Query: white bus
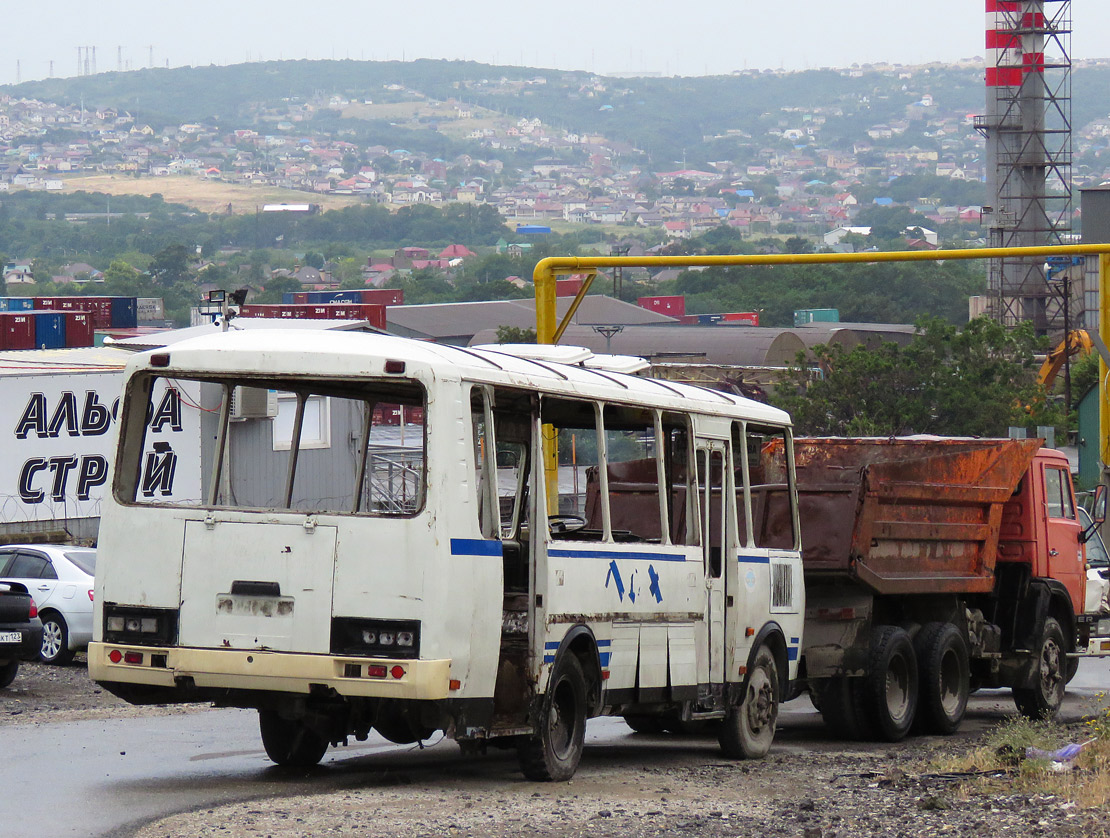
x,y
496,542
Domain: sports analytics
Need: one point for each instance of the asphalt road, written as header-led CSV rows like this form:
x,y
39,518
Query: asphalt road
x,y
103,778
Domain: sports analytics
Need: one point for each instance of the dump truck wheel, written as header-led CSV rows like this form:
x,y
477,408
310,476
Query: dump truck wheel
x,y
840,705
944,679
1043,699
891,686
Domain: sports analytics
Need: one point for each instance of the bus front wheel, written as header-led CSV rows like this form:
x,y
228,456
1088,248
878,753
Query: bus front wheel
x,y
749,727
290,742
554,750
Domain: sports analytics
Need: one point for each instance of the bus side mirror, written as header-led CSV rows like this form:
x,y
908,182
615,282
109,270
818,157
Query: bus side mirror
x,y
1098,511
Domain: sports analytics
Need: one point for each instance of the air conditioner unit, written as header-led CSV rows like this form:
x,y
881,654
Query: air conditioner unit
x,y
253,403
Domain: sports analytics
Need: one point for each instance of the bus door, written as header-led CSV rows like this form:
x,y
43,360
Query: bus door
x,y
714,541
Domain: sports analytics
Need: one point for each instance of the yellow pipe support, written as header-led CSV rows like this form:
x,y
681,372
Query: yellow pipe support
x,y
575,303
1103,371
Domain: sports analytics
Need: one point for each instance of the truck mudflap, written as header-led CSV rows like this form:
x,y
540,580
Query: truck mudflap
x,y
1094,635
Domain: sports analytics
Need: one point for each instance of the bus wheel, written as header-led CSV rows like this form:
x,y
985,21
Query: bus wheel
x,y
290,742
944,681
1043,699
890,687
554,750
749,726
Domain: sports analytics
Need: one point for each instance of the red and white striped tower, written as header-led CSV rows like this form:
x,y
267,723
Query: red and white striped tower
x,y
1027,126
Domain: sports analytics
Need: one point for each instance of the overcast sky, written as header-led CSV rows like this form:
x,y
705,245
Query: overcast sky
x,y
603,36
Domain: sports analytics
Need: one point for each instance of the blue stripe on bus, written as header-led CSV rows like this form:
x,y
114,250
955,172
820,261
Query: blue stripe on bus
x,y
601,554
792,653
794,641
605,656
753,559
549,659
605,643
552,644
475,547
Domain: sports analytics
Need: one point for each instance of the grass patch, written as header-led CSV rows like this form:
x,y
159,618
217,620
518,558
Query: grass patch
x,y
1000,765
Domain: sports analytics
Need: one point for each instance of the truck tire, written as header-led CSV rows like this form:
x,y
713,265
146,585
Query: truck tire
x,y
555,749
944,678
1043,699
840,704
749,726
890,687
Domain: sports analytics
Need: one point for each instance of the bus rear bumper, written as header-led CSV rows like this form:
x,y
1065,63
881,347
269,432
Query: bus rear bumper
x,y
263,670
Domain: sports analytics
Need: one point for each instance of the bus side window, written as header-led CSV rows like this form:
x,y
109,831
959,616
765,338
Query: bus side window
x,y
574,436
633,472
485,468
770,457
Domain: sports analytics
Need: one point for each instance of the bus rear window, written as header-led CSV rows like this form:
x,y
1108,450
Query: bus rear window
x,y
340,447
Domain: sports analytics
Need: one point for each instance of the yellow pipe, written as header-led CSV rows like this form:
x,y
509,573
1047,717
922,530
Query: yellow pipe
x,y
547,269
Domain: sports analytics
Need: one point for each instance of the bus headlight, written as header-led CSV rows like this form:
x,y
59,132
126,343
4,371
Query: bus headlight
x,y
375,638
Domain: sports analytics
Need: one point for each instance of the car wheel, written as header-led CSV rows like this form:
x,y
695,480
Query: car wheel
x,y
55,640
554,750
749,727
290,742
7,673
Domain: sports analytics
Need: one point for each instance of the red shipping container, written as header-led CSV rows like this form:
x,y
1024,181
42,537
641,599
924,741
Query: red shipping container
x,y
383,296
372,313
673,305
46,303
568,287
17,330
79,328
293,311
743,318
99,307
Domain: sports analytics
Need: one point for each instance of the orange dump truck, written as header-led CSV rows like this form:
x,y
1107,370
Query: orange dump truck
x,y
934,567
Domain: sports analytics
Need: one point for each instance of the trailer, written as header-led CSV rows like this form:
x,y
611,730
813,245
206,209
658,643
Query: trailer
x,y
934,567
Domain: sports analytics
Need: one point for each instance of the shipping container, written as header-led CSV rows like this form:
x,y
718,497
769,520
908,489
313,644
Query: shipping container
x,y
50,329
802,316
710,319
17,303
45,303
125,312
742,318
79,329
568,287
17,330
671,305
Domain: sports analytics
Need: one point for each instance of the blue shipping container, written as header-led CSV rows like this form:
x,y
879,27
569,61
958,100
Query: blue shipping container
x,y
17,303
50,329
125,313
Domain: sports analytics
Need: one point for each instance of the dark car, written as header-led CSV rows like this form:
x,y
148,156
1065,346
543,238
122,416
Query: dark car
x,y
20,630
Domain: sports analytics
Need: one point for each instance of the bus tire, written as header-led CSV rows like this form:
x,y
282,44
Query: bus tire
x,y
290,742
890,687
1043,699
749,726
555,749
944,681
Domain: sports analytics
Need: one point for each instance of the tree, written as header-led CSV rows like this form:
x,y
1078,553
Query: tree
x,y
515,334
170,265
974,382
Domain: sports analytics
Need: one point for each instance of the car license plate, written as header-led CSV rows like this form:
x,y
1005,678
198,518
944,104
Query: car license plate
x,y
10,637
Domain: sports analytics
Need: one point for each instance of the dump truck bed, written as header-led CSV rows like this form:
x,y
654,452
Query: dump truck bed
x,y
903,515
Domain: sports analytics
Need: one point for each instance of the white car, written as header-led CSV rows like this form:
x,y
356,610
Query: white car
x,y
60,578
1098,569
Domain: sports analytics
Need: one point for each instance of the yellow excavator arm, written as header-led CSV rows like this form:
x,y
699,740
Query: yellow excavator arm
x,y
1075,342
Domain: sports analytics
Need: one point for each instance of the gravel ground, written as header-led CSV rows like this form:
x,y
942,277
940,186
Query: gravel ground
x,y
826,792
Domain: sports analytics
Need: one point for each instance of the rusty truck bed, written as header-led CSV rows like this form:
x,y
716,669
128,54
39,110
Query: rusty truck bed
x,y
903,515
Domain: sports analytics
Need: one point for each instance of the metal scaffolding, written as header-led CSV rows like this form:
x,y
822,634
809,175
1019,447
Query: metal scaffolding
x,y
1027,128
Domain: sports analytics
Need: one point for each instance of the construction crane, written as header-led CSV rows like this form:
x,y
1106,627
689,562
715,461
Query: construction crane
x,y
1075,342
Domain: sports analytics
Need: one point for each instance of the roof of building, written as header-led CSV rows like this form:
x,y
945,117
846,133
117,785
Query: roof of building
x,y
459,322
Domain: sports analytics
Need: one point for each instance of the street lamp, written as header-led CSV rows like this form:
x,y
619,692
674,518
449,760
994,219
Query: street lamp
x,y
608,332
